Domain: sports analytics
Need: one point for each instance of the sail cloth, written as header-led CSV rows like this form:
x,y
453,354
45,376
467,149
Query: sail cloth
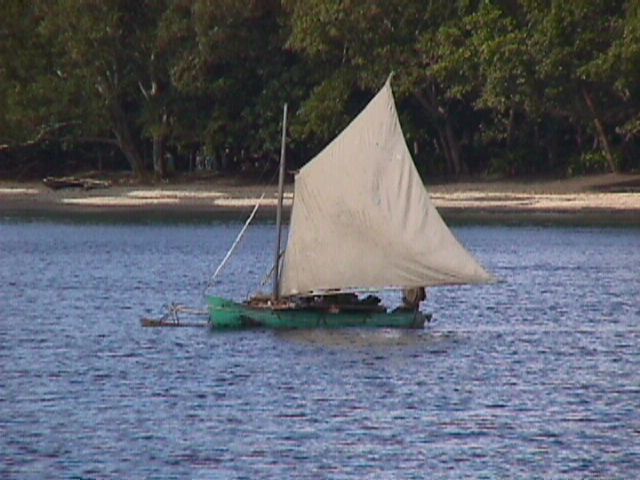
x,y
363,220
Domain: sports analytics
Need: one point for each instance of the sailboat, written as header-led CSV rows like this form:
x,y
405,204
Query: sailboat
x,y
361,222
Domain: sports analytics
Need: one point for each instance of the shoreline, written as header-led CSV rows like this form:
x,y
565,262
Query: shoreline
x,y
612,199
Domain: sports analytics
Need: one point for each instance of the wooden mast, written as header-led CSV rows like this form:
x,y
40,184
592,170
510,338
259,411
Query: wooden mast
x,y
276,274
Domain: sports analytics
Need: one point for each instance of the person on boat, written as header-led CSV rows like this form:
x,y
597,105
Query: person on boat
x,y
412,297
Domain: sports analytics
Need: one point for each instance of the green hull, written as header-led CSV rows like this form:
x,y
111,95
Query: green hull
x,y
225,314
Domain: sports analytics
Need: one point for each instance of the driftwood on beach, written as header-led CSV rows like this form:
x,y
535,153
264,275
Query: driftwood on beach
x,y
58,183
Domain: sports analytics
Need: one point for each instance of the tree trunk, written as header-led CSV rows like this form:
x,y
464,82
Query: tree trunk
x,y
447,137
444,146
125,142
511,127
602,135
131,153
454,149
159,160
160,167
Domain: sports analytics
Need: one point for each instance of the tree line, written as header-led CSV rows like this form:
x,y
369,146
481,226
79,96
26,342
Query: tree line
x,y
507,87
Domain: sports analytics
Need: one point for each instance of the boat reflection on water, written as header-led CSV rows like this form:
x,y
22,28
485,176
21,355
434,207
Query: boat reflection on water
x,y
370,340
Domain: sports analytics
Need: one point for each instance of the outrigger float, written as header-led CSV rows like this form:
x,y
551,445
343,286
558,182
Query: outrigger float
x,y
362,221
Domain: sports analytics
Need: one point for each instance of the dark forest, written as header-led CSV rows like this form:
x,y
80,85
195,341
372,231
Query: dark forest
x,y
155,88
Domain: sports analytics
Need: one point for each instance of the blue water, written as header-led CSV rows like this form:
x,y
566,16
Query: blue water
x,y
535,377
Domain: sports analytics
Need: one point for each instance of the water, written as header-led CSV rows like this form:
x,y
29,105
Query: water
x,y
535,377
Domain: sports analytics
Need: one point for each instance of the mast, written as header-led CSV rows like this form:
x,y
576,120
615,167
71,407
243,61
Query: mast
x,y
276,274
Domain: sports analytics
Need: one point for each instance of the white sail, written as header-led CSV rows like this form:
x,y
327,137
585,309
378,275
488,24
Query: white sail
x,y
362,219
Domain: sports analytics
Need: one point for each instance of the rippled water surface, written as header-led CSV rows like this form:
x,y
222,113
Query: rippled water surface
x,y
535,377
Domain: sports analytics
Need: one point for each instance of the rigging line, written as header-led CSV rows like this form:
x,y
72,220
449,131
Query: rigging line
x,y
235,242
266,278
270,273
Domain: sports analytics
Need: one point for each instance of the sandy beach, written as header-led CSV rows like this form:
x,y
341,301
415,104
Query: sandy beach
x,y
611,199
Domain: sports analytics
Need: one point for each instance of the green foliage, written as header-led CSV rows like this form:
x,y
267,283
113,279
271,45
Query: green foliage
x,y
517,161
513,87
32,89
588,162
